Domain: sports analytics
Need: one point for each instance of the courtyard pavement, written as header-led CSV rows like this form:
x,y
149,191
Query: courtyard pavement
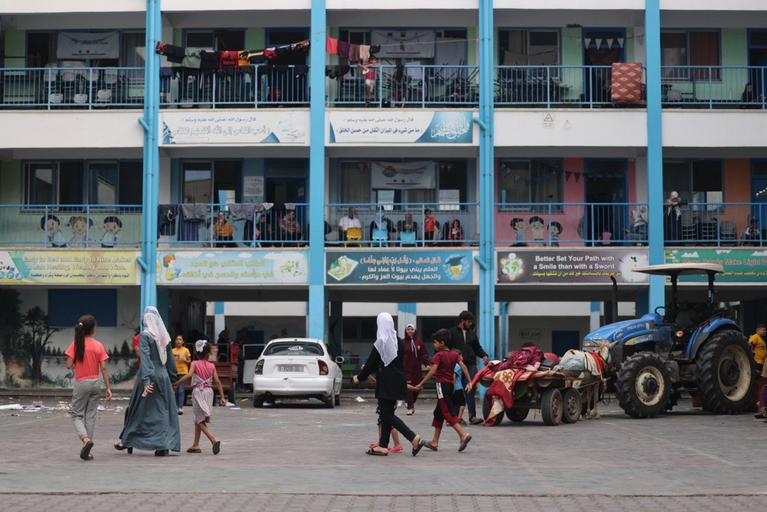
x,y
300,456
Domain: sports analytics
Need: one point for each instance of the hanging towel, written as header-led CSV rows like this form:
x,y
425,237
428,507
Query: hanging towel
x,y
242,58
191,58
229,58
354,52
364,52
209,60
242,211
194,211
331,45
343,49
166,217
270,53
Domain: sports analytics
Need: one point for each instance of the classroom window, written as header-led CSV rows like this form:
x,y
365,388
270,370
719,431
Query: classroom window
x,y
696,181
530,181
697,49
77,182
210,181
529,47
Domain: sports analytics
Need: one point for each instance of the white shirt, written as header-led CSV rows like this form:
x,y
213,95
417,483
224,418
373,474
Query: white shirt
x,y
346,223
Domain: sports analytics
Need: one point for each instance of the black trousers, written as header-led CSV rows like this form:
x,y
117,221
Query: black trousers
x,y
390,420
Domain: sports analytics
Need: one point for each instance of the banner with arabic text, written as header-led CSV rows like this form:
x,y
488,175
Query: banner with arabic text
x,y
88,45
69,267
740,264
399,267
399,126
282,127
405,175
570,265
213,267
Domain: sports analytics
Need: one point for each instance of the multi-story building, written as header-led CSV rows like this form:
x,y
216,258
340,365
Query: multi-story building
x,y
501,156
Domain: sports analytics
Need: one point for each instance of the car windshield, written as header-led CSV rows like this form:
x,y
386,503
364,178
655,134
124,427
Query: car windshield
x,y
294,348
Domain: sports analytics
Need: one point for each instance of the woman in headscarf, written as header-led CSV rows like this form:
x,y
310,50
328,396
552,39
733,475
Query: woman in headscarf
x,y
151,419
386,359
413,357
672,217
381,222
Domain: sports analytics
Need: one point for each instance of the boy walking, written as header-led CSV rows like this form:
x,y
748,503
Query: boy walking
x,y
442,365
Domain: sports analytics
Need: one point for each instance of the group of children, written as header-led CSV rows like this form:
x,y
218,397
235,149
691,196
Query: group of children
x,y
81,231
88,358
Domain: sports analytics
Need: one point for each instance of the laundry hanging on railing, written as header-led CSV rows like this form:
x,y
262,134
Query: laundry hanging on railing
x,y
209,60
350,51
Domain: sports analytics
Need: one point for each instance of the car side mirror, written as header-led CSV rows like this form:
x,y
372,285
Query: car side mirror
x,y
339,359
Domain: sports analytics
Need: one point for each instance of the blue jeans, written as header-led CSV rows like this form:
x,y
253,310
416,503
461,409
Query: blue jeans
x,y
470,395
180,395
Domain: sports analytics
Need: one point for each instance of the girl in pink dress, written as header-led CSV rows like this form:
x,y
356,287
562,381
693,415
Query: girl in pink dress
x,y
203,375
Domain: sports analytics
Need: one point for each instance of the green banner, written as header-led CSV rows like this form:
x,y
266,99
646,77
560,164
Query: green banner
x,y
740,265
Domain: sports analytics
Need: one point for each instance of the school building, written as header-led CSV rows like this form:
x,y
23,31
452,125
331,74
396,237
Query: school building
x,y
508,157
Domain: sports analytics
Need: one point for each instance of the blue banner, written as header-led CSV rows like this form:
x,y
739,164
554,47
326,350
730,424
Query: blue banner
x,y
399,267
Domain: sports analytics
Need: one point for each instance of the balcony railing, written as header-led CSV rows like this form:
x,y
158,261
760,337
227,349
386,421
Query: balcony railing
x,y
559,86
71,226
405,225
711,87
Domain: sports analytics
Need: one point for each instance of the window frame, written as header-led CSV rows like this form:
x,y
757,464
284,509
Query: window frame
x,y
213,199
687,75
529,56
557,172
688,193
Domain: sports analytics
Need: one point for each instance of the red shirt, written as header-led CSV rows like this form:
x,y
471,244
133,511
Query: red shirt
x,y
445,361
88,368
135,344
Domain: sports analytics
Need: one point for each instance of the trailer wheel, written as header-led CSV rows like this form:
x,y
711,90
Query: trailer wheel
x,y
644,385
486,406
551,407
571,411
517,415
727,373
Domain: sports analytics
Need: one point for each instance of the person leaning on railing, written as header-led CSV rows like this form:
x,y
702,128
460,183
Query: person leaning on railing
x,y
638,231
223,229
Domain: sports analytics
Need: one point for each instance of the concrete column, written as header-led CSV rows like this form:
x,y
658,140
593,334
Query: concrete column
x,y
406,314
219,320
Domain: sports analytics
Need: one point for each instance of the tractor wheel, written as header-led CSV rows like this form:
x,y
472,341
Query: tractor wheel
x,y
517,415
571,411
644,385
551,407
486,406
727,373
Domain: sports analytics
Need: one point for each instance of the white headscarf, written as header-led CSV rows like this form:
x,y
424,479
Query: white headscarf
x,y
380,222
412,338
386,341
154,326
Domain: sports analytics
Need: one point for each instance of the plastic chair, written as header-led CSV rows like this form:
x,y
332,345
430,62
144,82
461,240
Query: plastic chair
x,y
353,235
380,237
689,231
727,233
407,238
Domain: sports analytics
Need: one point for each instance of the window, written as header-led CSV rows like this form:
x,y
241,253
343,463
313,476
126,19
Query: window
x,y
698,49
294,348
219,40
65,307
697,181
530,181
355,183
208,181
64,183
361,329
133,52
529,47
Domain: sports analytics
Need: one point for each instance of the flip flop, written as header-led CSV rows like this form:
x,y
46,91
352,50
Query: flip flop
x,y
216,447
430,446
395,449
417,449
85,451
373,452
464,443
193,450
373,445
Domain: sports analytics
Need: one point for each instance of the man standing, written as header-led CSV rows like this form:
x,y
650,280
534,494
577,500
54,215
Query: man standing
x,y
759,346
464,338
347,222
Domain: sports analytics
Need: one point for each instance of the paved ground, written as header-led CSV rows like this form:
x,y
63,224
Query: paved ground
x,y
304,457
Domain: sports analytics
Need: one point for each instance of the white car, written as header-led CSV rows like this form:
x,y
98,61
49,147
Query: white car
x,y
297,368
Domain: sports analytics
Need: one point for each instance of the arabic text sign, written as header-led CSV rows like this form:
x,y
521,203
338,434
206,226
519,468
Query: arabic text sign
x,y
740,265
409,267
352,126
410,175
570,266
283,127
232,267
68,267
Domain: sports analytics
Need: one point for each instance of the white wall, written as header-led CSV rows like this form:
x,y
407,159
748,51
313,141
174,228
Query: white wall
x,y
705,129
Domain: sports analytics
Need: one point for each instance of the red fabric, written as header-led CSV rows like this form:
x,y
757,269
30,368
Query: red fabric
x,y
412,361
270,53
331,45
445,361
626,83
88,368
598,361
135,344
552,356
229,58
234,352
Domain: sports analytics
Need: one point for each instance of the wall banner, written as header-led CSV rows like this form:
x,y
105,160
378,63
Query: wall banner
x,y
409,175
213,268
68,267
570,266
283,127
399,267
404,43
740,265
86,45
366,126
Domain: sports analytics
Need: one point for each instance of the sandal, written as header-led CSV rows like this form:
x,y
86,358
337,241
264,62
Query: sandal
x,y
395,449
120,447
418,447
375,452
193,450
462,447
216,447
430,446
85,451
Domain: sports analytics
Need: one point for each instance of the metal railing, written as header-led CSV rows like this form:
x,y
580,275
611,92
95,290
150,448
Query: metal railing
x,y
553,86
715,224
711,87
406,225
570,224
71,226
414,86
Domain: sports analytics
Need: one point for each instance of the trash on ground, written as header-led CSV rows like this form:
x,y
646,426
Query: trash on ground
x,y
101,408
229,404
11,407
360,399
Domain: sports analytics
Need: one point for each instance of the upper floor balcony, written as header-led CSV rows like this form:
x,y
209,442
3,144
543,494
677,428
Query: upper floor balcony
x,y
248,226
75,86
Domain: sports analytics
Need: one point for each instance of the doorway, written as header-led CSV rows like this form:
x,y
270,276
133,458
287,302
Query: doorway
x,y
607,211
562,341
757,57
601,47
